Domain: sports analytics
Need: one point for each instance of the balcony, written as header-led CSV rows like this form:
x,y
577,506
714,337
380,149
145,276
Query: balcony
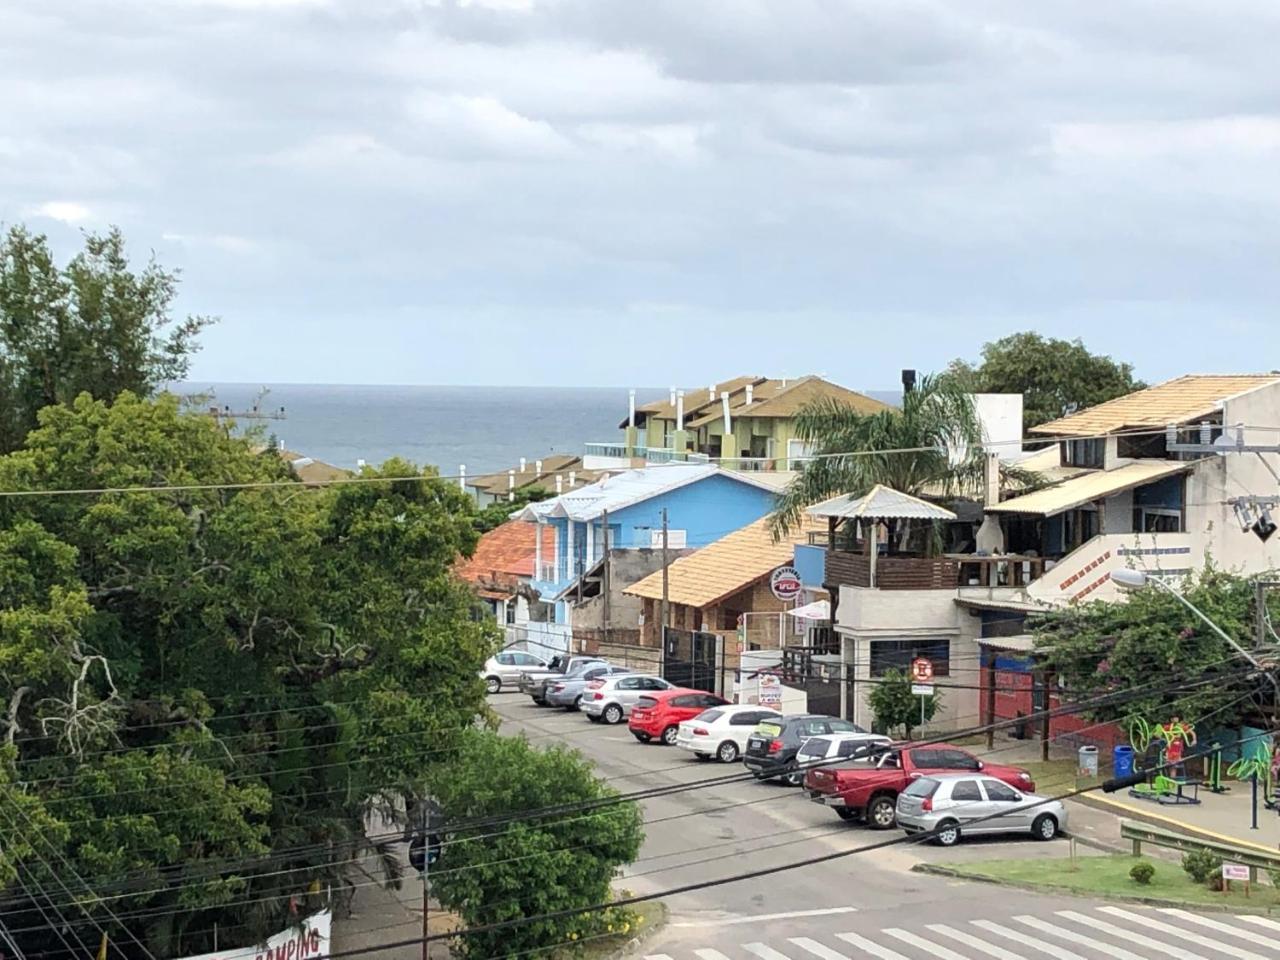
x,y
844,567
618,456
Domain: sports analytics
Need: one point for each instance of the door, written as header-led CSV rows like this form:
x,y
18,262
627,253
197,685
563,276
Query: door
x,y
626,692
1008,802
969,804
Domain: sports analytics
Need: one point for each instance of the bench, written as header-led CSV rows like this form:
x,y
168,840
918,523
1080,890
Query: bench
x,y
1251,857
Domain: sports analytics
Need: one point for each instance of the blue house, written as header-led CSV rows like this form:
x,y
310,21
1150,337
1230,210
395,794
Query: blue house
x,y
702,503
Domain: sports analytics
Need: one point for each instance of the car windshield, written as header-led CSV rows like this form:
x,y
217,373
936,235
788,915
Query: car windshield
x,y
816,747
924,787
709,716
646,703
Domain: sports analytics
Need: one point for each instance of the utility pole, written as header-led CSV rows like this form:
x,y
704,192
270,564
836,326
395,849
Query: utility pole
x,y
605,581
662,627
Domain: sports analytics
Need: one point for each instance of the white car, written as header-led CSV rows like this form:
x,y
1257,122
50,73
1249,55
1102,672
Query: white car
x,y
611,698
838,747
721,732
504,669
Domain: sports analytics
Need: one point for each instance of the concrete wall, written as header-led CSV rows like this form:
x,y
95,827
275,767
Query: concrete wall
x,y
625,568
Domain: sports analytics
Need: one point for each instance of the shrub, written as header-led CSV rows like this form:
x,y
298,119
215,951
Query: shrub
x,y
1201,865
1275,878
1142,872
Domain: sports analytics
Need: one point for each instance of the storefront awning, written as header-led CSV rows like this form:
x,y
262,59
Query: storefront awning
x,y
1090,487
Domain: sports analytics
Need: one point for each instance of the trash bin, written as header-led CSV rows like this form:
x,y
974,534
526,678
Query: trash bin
x,y
1122,758
1088,763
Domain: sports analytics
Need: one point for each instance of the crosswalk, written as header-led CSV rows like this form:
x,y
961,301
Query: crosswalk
x,y
1101,933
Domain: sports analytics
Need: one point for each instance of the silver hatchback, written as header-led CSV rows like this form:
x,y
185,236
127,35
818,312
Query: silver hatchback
x,y
975,805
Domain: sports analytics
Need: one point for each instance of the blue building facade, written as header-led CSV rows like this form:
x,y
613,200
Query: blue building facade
x,y
702,502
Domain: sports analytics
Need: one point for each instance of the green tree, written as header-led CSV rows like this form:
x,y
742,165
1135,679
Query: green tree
x,y
95,325
205,692
529,865
1053,376
1099,648
496,514
855,451
895,705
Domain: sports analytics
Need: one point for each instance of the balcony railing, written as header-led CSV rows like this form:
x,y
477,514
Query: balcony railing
x,y
620,450
948,572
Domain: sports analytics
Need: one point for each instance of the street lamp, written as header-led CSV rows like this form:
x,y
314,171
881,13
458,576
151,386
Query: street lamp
x,y
1137,579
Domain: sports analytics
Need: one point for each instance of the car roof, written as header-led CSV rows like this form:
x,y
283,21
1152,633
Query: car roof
x,y
674,692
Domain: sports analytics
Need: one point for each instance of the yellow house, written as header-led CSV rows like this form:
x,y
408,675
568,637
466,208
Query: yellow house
x,y
747,421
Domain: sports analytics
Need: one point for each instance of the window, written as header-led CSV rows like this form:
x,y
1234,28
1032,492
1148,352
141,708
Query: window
x,y
511,611
749,719
688,700
816,747
844,726
957,760
928,759
629,683
853,748
1149,447
965,790
506,659
710,716
814,728
527,660
646,703
1084,453
891,761
923,787
1159,521
617,671
1000,792
595,672
653,683
711,700
889,655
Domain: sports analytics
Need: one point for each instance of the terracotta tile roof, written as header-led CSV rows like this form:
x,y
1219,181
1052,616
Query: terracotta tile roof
x,y
506,553
1175,401
725,567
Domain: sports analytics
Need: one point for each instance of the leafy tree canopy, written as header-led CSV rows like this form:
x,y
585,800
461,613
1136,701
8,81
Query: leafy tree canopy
x,y
485,874
205,692
95,325
1052,375
1101,648
895,705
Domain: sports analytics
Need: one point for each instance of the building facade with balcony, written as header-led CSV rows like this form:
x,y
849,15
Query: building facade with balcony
x,y
747,423
1118,490
623,515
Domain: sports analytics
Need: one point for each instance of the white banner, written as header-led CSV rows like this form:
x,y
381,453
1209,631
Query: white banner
x,y
306,940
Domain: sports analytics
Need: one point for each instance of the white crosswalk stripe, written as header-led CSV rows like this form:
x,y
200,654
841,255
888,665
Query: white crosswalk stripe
x,y
928,946
1017,936
1167,929
1255,938
969,940
1097,933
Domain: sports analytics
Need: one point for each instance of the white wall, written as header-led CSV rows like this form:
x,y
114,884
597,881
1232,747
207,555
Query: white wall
x,y
1119,513
1001,417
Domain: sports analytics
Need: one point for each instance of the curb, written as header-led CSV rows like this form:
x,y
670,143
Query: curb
x,y
1131,813
648,933
959,874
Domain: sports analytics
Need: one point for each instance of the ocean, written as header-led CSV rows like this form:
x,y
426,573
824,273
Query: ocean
x,y
487,428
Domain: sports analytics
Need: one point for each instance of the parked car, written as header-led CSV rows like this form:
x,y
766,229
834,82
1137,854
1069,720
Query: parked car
x,y
958,804
836,747
773,745
534,681
504,669
657,715
859,791
721,732
610,699
567,692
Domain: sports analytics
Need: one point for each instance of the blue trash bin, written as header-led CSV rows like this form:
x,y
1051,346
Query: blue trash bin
x,y
1122,761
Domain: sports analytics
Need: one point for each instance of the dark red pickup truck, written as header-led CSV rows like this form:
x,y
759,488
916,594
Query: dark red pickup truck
x,y
868,789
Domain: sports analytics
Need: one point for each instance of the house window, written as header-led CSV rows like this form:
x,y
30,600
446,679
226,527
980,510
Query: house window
x,y
1148,447
1158,521
1084,453
889,655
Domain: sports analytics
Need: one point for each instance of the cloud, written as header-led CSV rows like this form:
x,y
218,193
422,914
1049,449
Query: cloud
x,y
225,242
63,211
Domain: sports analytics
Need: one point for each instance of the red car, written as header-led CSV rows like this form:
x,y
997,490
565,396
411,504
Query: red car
x,y
657,715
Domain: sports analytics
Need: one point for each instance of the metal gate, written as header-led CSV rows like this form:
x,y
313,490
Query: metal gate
x,y
689,658
816,678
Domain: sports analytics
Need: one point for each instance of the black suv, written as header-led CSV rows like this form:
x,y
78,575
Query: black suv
x,y
773,745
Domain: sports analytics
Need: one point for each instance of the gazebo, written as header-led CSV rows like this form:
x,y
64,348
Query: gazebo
x,y
883,505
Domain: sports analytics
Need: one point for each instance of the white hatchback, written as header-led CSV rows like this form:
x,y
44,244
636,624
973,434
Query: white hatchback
x,y
721,732
837,747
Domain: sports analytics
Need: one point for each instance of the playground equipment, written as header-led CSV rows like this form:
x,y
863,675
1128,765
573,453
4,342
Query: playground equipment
x,y
1160,745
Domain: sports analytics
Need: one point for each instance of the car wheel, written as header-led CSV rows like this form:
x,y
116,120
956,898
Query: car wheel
x,y
846,813
882,813
593,719
576,705
1045,827
728,752
642,737
948,834
539,702
794,778
669,735
703,756
493,684
612,713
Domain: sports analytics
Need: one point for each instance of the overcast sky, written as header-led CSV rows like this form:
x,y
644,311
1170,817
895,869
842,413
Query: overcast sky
x,y
662,191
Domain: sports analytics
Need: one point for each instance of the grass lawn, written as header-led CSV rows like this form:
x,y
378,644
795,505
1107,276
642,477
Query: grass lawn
x,y
1109,877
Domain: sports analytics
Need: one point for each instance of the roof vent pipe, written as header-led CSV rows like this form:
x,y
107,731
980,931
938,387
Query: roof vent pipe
x,y
573,478
673,396
462,477
711,394
728,423
679,409
537,467
523,464
631,408
750,393
559,484
511,479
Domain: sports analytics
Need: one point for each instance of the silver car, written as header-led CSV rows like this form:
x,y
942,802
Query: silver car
x,y
568,691
504,669
611,698
976,805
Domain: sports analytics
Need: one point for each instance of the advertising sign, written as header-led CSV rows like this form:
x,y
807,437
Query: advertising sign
x,y
1235,871
307,940
769,690
785,583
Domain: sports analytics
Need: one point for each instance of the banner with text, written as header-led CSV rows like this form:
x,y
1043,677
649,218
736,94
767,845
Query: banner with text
x,y
306,940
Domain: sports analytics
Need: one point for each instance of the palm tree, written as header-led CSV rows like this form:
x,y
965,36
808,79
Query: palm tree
x,y
932,447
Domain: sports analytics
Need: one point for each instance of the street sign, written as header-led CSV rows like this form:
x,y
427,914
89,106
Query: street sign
x,y
922,689
921,670
785,583
1235,871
